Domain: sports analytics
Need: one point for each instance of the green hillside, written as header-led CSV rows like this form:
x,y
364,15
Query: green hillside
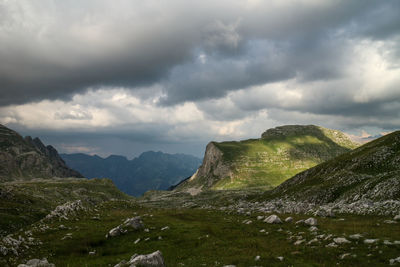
x,y
25,202
371,171
279,154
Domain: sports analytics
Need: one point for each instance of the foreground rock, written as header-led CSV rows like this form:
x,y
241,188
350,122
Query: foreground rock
x,y
154,259
37,263
134,223
273,219
311,222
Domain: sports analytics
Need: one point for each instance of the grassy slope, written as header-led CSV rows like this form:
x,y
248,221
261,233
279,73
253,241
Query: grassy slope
x,y
372,163
269,162
22,203
207,238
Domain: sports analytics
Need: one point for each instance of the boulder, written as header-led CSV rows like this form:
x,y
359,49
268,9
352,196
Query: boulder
x,y
135,223
154,259
37,263
116,232
273,219
394,261
311,221
370,241
397,217
341,240
289,219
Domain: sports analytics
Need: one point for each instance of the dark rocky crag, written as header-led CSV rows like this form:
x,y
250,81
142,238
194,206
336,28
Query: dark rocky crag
x,y
24,159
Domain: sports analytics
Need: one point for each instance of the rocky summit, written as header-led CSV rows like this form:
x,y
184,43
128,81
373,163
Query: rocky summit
x,y
24,159
279,154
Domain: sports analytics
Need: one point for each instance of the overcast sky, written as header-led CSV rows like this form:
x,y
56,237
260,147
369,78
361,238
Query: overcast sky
x,y
124,76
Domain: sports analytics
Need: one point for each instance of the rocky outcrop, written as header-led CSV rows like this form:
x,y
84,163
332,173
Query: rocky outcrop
x,y
23,159
213,168
64,211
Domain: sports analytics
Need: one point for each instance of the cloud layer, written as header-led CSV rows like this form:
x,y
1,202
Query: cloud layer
x,y
181,72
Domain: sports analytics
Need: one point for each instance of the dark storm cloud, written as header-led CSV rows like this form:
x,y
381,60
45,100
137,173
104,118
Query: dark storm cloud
x,y
55,49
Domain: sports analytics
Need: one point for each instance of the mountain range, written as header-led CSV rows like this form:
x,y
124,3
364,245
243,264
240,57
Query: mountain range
x,y
150,171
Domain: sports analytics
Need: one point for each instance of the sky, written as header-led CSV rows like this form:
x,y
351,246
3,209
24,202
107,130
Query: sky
x,y
125,76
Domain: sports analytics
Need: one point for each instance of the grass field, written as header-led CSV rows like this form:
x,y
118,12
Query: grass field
x,y
200,237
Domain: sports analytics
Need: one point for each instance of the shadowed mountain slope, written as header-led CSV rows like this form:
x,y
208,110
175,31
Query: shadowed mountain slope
x,y
24,159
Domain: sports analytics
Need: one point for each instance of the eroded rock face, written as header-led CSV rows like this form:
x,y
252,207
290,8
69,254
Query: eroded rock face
x,y
211,170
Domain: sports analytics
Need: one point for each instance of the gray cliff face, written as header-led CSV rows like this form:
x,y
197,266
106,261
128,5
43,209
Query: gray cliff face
x,y
212,168
213,165
22,159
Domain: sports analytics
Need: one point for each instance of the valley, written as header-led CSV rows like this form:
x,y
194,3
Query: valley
x,y
311,219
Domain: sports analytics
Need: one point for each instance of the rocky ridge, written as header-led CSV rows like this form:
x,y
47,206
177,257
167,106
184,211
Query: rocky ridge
x,y
24,159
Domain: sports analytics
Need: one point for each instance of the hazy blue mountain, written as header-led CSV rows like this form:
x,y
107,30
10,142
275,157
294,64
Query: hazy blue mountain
x,y
150,171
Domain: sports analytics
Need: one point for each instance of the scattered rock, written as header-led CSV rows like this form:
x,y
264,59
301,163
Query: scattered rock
x,y
299,242
37,263
165,228
289,219
66,210
393,261
390,222
370,241
154,259
257,258
355,236
280,258
311,221
397,217
345,255
260,217
341,240
135,223
117,231
92,253
313,229
332,245
273,219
